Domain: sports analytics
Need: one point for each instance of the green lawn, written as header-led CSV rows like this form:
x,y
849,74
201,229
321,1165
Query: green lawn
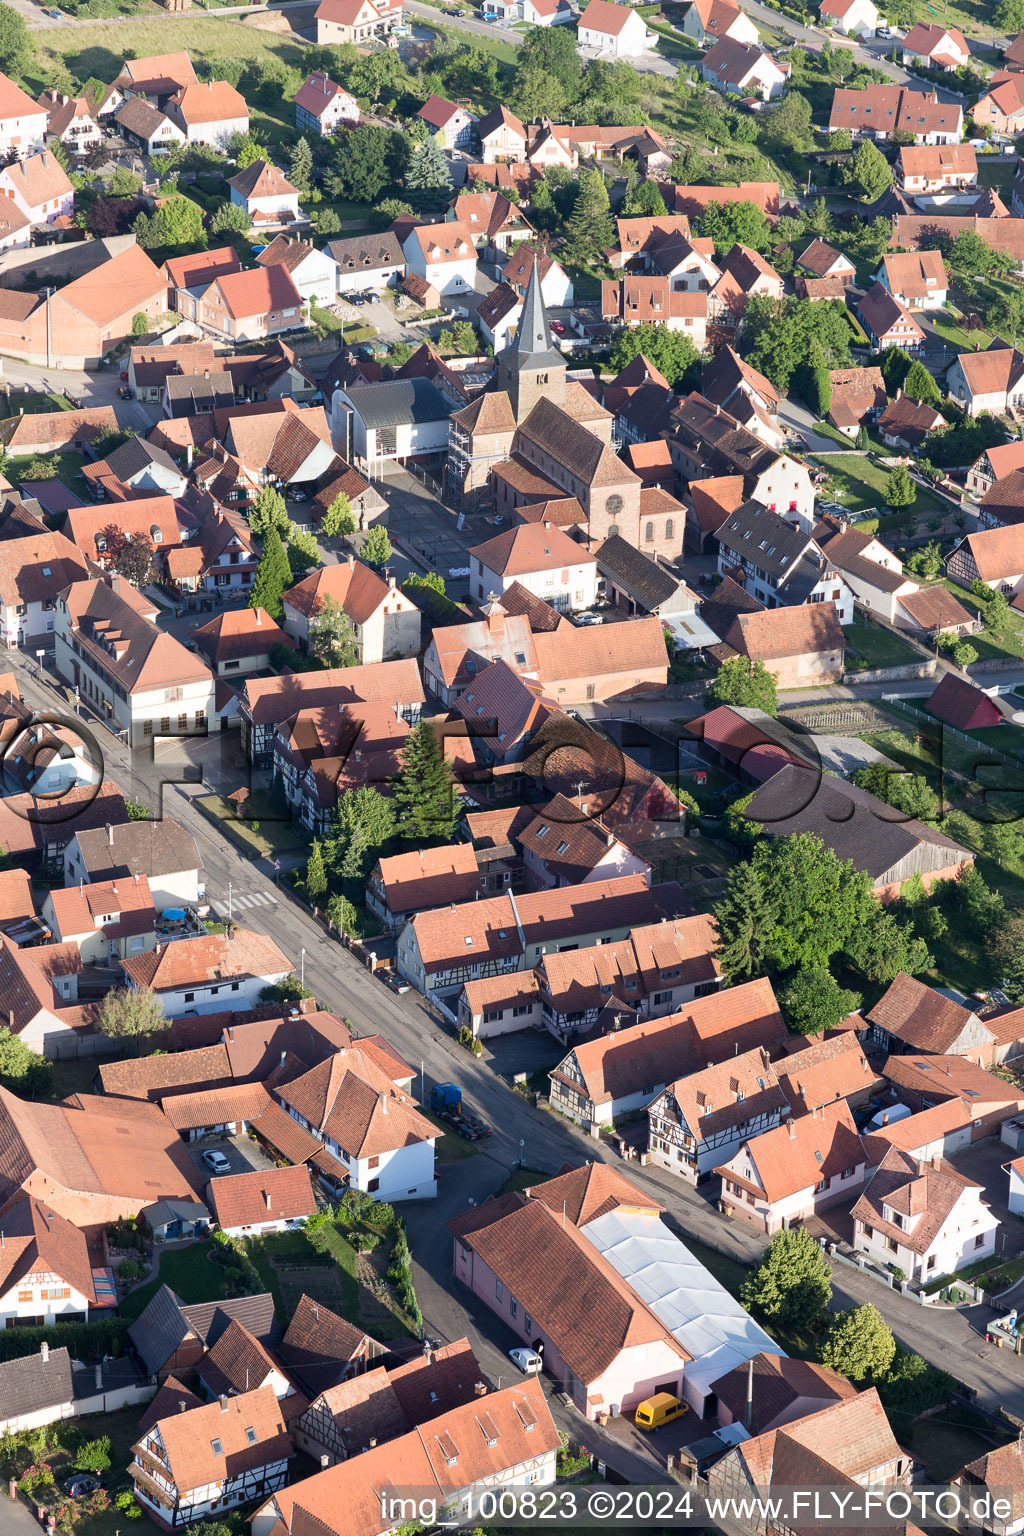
x,y
272,836
860,484
69,468
100,50
188,1271
997,171
35,404
948,324
872,645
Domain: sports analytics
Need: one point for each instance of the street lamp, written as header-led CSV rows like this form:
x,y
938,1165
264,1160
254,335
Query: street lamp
x,y
522,1144
302,968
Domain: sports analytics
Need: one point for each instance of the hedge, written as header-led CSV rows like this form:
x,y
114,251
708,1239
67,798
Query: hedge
x,y
83,1341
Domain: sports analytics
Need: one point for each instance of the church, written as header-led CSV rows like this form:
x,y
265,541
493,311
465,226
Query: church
x,y
539,437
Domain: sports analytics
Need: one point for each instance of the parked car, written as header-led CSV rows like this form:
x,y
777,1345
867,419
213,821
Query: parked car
x,y
81,1484
528,1361
356,298
125,392
558,327
589,618
216,1162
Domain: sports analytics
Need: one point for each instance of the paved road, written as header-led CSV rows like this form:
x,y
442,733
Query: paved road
x,y
542,1140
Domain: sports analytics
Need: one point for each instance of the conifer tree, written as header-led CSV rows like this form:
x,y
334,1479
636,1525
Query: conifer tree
x,y
424,790
273,576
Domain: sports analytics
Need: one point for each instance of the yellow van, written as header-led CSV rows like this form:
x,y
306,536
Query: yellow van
x,y
660,1409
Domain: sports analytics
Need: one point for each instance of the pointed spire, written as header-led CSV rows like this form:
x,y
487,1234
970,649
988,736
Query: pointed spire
x,y
533,334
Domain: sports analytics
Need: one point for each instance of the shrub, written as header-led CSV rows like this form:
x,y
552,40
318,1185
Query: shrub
x,y
128,1270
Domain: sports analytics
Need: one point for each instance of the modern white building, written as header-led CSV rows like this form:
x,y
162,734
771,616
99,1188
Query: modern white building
x,y
923,1220
444,255
542,558
218,973
614,30
22,121
374,424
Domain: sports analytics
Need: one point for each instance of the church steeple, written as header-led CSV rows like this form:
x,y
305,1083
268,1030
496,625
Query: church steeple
x,y
532,367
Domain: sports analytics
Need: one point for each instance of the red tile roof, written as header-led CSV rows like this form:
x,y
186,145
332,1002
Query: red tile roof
x,y
248,1199
188,962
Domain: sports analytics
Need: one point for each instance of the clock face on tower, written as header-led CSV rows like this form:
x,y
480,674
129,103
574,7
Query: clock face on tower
x,y
613,505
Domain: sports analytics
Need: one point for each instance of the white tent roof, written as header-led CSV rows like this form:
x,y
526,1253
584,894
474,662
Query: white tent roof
x,y
694,1306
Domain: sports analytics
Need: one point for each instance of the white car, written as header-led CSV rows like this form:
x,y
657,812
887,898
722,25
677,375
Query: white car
x,y
217,1162
528,1361
589,618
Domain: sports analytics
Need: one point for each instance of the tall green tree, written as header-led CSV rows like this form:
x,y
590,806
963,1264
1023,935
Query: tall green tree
x,y
425,788
363,164
427,169
792,1285
882,947
671,352
809,903
316,872
16,48
548,74
900,490
869,172
300,167
741,222
178,222
919,384
376,547
273,576
230,219
747,684
339,518
787,126
859,1344
21,1070
331,637
814,1001
590,229
365,817
269,511
129,1013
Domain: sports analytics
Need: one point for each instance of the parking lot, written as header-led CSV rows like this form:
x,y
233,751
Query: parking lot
x,y
241,1152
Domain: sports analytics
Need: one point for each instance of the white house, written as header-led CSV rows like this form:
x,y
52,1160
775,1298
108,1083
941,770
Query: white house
x,y
253,1204
45,1270
376,1138
448,121
741,69
209,113
536,13
992,380
792,1172
209,975
854,18
700,1121
708,20
367,261
142,679
927,1221
614,29
542,558
321,106
444,255
265,193
161,851
498,315
212,1458
313,272
935,47
916,279
393,420
555,283
108,920
39,186
1016,1194
22,121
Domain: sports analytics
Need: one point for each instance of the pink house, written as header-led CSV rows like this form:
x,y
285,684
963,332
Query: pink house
x,y
526,1257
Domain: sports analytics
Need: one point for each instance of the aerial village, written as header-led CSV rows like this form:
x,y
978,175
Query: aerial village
x,y
512,714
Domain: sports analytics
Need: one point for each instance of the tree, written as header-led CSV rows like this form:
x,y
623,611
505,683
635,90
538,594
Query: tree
x,y
1008,17
130,555
859,1342
43,469
926,561
230,219
646,202
245,150
881,947
94,1455
788,125
783,335
303,551
316,872
671,352
365,816
362,165
376,548
1005,312
16,49
919,384
269,511
140,324
386,212
130,1013
819,221
730,223
792,1284
868,171
807,903
840,139
900,490
300,166
1005,948
137,811
176,222
273,576
747,684
548,73
124,183
21,1070
590,229
964,654
424,790
327,221
339,518
427,169
331,637
814,1001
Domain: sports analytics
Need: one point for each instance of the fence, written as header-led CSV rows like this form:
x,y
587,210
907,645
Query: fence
x,y
940,725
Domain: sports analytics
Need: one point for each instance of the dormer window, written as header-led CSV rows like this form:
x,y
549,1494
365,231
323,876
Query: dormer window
x,y
156,534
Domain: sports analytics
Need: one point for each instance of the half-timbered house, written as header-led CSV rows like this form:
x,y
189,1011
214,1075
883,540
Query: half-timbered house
x,y
701,1120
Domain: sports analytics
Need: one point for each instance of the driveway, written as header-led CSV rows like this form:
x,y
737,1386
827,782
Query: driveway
x,y
241,1152
797,419
984,1163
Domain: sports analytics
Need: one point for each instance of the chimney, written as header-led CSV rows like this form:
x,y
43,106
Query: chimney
x,y
748,1418
284,1057
383,1101
44,1352
791,1128
182,1405
99,1376
223,1404
391,582
266,1196
610,840
10,1020
259,621
110,835
428,1351
351,562
480,1389
115,585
